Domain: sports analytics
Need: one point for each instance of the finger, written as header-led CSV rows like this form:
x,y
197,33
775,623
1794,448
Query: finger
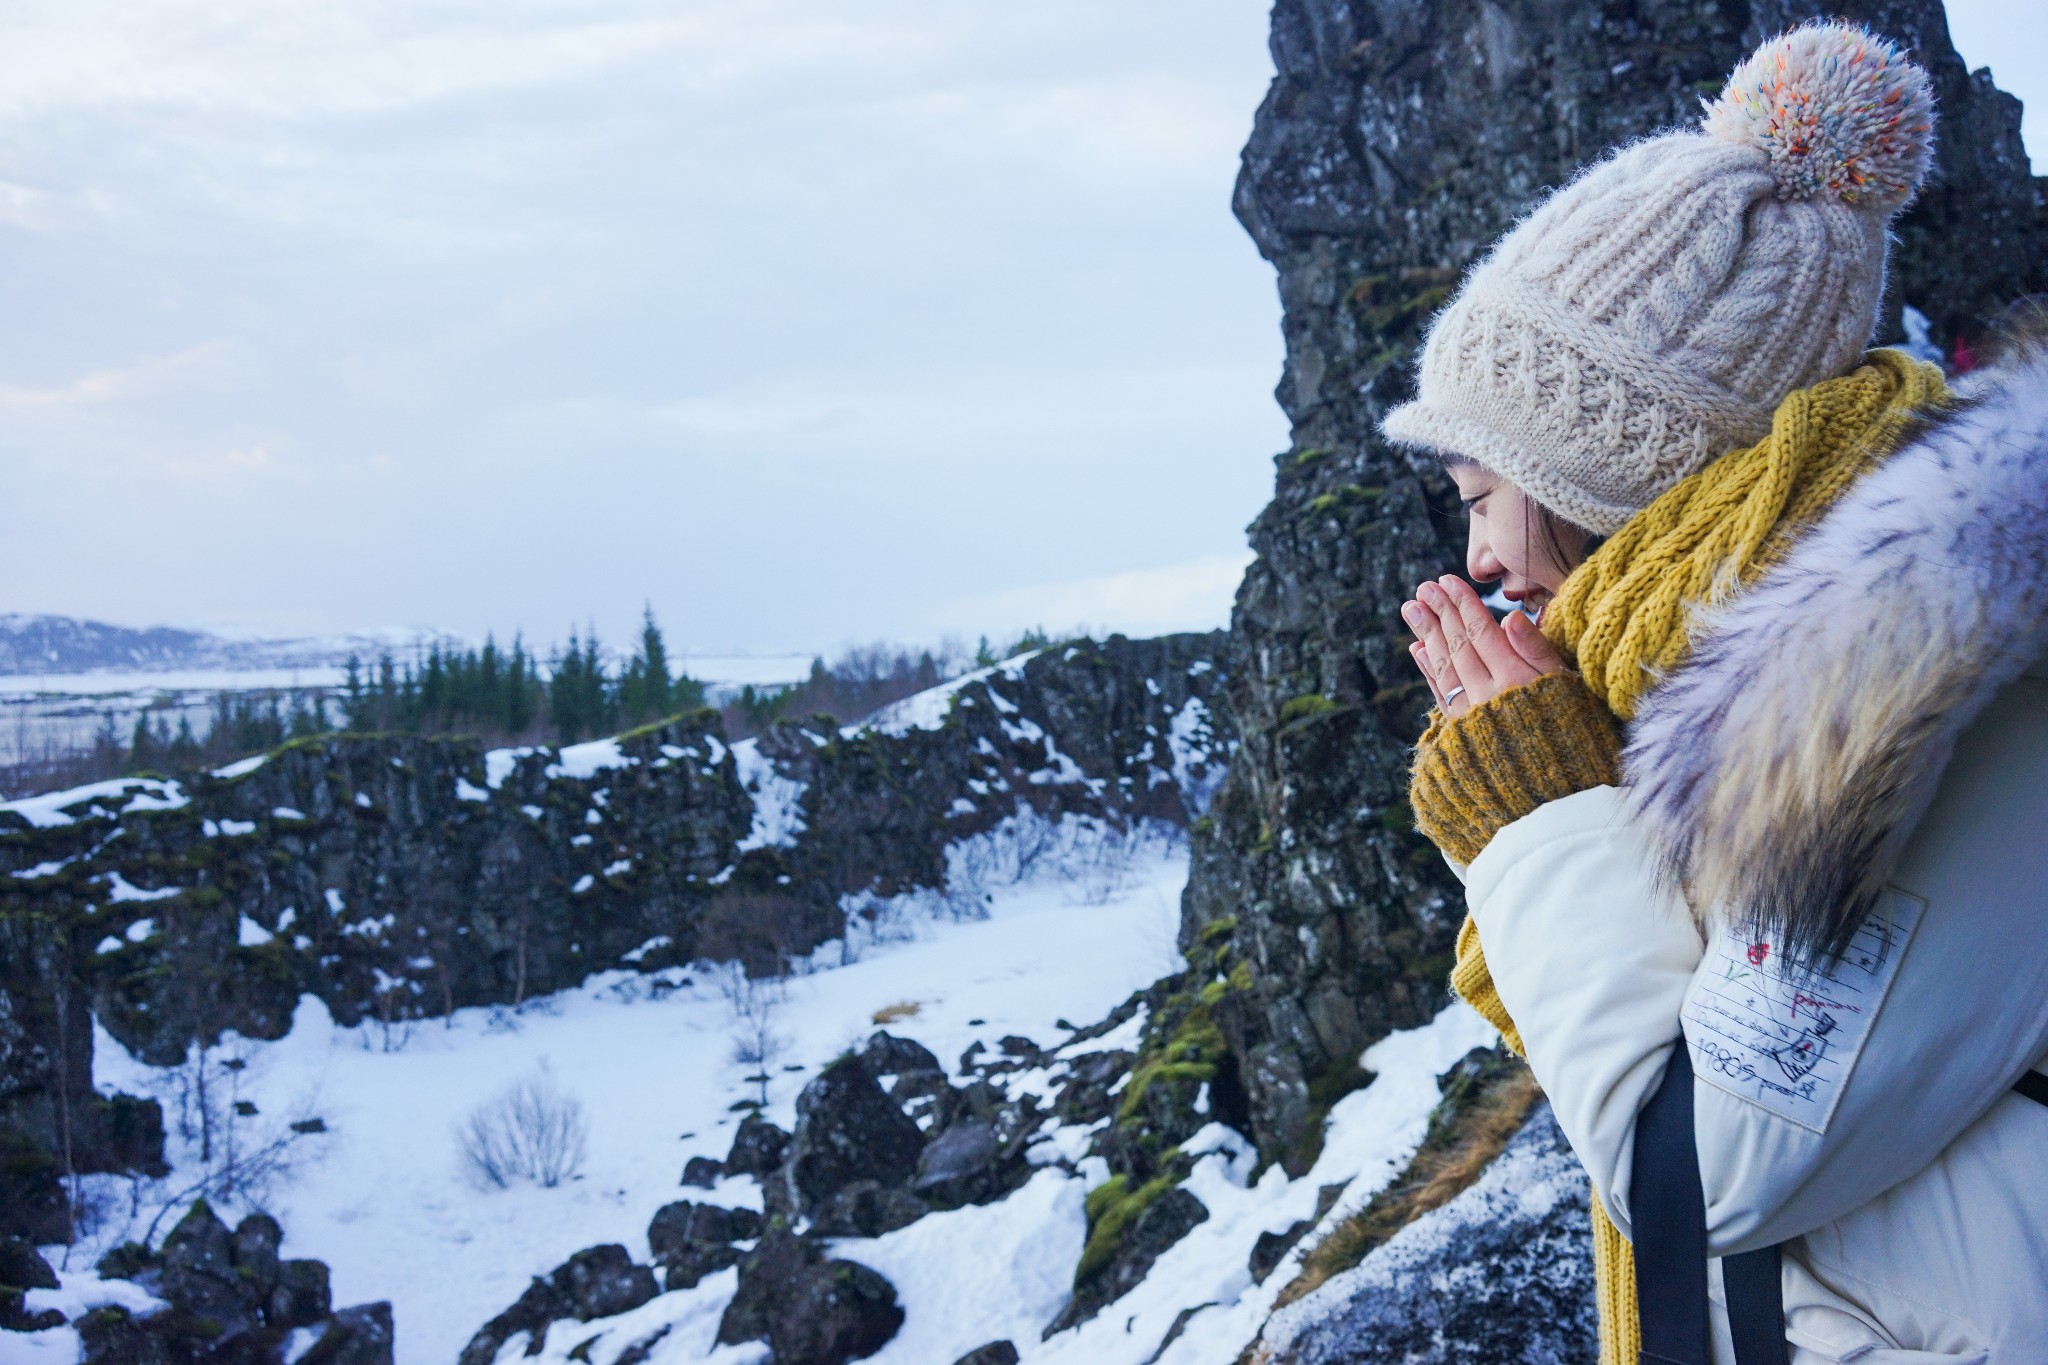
x,y
1421,657
1436,653
1531,643
1502,660
1453,706
1468,666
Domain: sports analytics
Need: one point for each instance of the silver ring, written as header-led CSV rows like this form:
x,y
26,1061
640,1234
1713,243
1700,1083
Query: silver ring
x,y
1452,695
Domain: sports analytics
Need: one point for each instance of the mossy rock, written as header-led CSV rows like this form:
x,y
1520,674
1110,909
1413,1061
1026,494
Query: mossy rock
x,y
1191,1054
1306,707
1112,1207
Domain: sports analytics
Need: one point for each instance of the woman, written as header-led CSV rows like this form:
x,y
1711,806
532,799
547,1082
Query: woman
x,y
1770,777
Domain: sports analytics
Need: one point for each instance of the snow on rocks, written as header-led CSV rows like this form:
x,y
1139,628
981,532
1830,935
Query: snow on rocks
x,y
120,889
778,800
1504,1271
1370,1136
499,764
1198,767
981,1273
985,1272
927,710
241,767
585,761
121,796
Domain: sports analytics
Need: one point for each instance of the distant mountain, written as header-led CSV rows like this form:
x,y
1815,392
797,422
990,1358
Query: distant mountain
x,y
64,644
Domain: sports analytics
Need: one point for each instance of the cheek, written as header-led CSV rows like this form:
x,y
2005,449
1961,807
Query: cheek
x,y
1510,545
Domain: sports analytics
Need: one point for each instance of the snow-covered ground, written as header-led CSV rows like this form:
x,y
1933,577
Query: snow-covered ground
x,y
383,1198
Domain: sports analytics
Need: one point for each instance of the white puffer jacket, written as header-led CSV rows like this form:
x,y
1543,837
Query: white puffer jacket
x,y
1873,714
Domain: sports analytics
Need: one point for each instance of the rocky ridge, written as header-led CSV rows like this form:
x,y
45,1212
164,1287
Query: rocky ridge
x,y
396,879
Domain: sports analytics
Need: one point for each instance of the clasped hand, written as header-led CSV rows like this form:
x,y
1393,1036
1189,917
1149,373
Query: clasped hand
x,y
1460,646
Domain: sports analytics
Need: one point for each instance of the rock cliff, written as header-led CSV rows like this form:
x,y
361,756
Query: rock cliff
x,y
1396,142
399,878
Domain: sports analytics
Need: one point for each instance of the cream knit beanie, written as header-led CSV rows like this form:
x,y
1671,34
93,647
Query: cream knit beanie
x,y
1650,315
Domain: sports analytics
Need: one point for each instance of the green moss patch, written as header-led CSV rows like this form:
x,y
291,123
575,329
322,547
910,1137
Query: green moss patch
x,y
1112,1207
1306,707
1190,1054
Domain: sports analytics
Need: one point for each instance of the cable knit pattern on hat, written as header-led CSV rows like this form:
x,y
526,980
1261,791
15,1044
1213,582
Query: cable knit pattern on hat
x,y
1651,315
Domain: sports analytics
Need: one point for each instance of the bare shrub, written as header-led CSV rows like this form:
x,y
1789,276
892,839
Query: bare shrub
x,y
755,1004
763,931
1098,867
533,1130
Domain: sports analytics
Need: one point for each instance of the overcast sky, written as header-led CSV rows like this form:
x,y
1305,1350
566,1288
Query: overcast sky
x,y
805,322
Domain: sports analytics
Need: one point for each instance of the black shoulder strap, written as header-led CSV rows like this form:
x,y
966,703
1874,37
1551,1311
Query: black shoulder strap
x,y
2034,1086
1669,1213
1756,1306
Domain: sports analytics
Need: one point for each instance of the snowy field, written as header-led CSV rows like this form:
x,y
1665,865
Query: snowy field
x,y
383,1198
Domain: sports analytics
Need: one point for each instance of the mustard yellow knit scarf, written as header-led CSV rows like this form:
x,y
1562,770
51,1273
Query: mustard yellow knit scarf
x,y
1624,616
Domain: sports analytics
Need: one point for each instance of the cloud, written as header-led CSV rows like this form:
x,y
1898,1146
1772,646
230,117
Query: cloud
x,y
224,464
24,206
797,319
102,386
1193,595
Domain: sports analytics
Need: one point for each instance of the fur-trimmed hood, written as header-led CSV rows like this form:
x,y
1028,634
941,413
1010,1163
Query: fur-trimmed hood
x,y
1780,770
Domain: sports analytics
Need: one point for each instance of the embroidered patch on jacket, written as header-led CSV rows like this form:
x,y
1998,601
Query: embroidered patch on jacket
x,y
1787,1039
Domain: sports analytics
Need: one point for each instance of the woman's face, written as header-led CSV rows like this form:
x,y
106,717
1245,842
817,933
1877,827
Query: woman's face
x,y
1508,539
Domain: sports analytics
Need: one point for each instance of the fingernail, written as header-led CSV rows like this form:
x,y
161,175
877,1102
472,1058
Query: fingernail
x,y
1429,592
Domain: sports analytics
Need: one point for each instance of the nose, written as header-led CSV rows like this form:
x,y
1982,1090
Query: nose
x,y
1481,564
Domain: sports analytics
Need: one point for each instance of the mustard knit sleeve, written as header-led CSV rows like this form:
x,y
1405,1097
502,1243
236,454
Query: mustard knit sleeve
x,y
1481,771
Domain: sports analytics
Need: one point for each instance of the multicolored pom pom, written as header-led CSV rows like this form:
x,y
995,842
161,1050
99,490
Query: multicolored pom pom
x,y
1839,111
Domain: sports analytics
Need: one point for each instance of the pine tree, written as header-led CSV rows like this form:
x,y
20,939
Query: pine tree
x,y
566,692
485,703
654,658
309,716
352,712
600,703
645,691
183,753
520,685
145,750
386,717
